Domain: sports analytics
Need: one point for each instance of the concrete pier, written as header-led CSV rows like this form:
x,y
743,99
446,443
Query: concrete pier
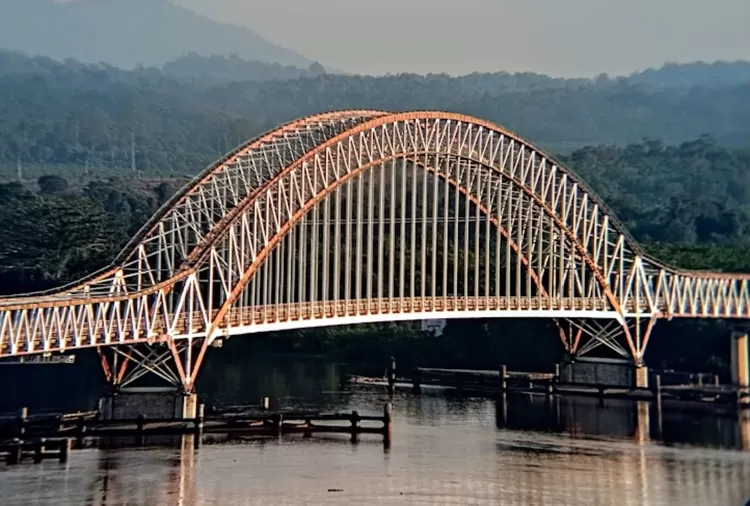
x,y
603,371
739,359
641,376
149,403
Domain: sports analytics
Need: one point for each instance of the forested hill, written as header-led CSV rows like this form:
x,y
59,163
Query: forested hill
x,y
74,116
690,204
716,74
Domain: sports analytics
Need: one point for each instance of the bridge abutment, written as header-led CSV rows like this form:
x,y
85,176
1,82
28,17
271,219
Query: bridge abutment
x,y
149,403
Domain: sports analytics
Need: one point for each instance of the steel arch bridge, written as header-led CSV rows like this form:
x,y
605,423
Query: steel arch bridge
x,y
367,216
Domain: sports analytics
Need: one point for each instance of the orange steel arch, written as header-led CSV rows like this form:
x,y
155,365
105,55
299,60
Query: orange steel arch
x,y
206,175
377,118
227,220
268,247
287,227
200,252
223,225
381,118
184,192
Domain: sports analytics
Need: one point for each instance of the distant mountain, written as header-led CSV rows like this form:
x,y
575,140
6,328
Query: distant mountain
x,y
218,69
711,75
128,33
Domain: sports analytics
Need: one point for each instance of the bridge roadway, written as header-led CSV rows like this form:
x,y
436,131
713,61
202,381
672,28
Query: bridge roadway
x,y
59,334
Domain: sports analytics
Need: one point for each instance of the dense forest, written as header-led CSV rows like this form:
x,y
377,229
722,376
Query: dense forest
x,y
695,196
76,131
103,120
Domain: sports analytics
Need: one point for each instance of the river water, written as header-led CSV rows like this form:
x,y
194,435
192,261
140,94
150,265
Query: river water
x,y
446,450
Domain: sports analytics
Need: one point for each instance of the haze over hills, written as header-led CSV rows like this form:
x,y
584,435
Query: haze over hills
x,y
127,33
152,33
184,116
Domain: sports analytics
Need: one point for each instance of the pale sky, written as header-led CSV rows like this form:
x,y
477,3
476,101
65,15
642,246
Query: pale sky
x,y
557,37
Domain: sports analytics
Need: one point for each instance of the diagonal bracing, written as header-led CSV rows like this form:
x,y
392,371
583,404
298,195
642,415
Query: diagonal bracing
x,y
365,216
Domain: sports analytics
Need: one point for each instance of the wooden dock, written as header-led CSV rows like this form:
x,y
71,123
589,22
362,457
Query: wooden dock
x,y
15,450
491,382
51,436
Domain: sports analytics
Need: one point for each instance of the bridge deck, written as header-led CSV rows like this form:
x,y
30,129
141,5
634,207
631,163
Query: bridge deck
x,y
66,328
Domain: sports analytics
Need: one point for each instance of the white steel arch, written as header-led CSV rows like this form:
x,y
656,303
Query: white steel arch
x,y
365,216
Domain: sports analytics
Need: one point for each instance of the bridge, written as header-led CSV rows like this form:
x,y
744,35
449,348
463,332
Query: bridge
x,y
367,216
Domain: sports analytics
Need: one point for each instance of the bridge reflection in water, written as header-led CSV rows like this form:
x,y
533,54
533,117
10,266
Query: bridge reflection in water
x,y
638,421
524,451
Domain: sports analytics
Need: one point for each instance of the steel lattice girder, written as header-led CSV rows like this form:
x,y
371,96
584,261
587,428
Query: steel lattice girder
x,y
269,237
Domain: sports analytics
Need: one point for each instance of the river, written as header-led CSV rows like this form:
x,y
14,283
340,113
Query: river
x,y
445,450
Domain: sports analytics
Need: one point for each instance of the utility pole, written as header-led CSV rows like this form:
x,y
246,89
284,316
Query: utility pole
x,y
132,150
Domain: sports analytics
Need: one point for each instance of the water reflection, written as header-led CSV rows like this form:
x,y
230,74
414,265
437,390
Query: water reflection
x,y
623,419
514,450
447,451
164,479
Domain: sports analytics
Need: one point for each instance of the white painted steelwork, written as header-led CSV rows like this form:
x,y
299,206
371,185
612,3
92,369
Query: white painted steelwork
x,y
367,216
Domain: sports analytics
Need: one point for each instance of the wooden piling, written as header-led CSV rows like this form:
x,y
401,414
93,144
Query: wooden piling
x,y
416,380
39,448
15,454
22,419
657,399
387,419
279,424
503,378
65,446
354,420
80,430
392,375
200,419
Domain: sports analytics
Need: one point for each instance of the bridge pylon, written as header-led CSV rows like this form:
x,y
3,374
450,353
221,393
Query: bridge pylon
x,y
624,339
150,380
170,363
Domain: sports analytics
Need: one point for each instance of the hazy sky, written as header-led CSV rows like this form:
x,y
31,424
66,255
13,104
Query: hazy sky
x,y
559,37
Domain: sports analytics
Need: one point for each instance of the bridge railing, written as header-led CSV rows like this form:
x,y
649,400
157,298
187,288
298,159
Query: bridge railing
x,y
64,328
244,316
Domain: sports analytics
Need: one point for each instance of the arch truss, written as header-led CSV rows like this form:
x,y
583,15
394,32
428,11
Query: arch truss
x,y
366,216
